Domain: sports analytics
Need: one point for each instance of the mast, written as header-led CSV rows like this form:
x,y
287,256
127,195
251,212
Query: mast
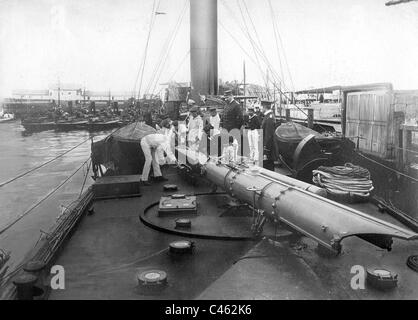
x,y
84,97
274,99
204,47
245,87
280,98
59,101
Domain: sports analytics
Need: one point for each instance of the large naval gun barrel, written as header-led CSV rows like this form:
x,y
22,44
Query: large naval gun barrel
x,y
299,205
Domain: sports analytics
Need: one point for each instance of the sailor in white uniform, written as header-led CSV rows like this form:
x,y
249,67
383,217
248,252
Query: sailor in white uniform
x,y
167,128
214,121
253,127
153,146
195,129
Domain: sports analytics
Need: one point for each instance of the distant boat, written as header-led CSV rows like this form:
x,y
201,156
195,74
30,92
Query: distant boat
x,y
41,124
6,117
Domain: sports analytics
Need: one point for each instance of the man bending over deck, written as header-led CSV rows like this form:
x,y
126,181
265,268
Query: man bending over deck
x,y
154,146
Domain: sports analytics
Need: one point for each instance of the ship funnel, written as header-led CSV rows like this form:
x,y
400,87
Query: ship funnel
x,y
204,47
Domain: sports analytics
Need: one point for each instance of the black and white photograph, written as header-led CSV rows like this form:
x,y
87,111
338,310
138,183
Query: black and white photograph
x,y
204,156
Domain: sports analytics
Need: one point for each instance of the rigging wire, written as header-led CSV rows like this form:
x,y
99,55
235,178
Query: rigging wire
x,y
260,45
169,50
166,50
262,53
253,44
266,61
85,178
277,29
154,8
264,57
53,159
259,51
140,65
388,168
407,150
160,58
19,266
8,226
275,38
43,164
241,47
178,68
256,47
256,61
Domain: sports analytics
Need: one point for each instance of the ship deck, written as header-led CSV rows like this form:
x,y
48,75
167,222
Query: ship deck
x,y
112,246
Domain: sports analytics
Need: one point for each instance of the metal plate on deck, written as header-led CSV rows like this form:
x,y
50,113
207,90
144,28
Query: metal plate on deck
x,y
176,204
114,186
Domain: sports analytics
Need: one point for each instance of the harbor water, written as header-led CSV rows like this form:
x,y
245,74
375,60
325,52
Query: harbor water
x,y
21,151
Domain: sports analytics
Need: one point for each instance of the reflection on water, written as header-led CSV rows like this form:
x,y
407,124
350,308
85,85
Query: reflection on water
x,y
21,151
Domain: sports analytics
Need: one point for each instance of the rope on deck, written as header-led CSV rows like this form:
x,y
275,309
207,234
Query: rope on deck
x,y
344,180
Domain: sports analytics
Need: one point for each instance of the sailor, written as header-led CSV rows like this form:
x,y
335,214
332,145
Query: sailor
x,y
229,154
214,121
232,119
253,126
232,116
258,112
212,131
148,116
268,126
154,146
167,128
195,129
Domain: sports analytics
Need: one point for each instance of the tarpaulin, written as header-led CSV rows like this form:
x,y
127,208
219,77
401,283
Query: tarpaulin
x,y
121,151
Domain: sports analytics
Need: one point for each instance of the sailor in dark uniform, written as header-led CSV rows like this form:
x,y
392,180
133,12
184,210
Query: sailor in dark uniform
x,y
268,126
232,116
148,116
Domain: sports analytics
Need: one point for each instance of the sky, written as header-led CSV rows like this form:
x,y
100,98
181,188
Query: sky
x,y
100,43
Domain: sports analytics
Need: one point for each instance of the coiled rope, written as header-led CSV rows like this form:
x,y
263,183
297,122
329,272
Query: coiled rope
x,y
348,180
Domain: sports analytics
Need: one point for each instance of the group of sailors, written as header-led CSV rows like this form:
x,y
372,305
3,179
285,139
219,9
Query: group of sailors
x,y
157,147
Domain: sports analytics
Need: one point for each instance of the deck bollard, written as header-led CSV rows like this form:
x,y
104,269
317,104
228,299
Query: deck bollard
x,y
25,284
310,118
37,268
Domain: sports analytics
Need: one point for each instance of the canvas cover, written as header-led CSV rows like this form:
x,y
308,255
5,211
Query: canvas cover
x,y
121,151
294,132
